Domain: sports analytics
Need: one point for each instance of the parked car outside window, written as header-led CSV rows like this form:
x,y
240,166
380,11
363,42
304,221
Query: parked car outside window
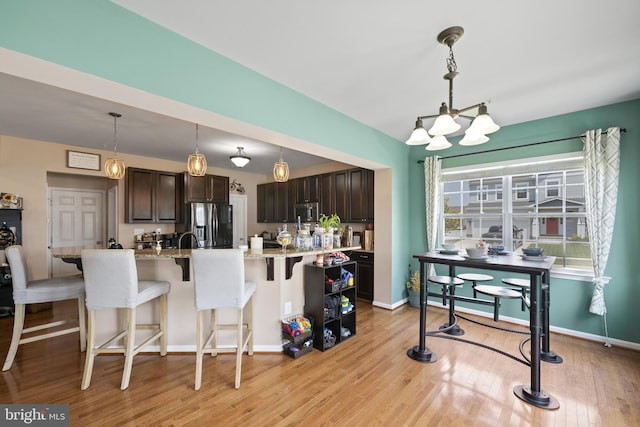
x,y
495,232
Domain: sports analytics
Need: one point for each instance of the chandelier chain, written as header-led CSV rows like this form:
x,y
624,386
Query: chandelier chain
x,y
451,61
197,152
115,136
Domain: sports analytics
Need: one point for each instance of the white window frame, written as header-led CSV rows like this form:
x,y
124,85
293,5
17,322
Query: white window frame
x,y
512,168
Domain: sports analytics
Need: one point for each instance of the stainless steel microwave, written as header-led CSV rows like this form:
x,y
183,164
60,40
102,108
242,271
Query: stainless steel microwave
x,y
308,212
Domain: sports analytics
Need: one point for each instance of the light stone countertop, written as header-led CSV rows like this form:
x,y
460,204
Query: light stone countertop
x,y
75,251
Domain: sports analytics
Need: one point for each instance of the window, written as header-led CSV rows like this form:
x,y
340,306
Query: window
x,y
541,203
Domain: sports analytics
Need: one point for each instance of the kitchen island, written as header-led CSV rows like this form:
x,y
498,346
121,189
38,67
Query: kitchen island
x,y
280,292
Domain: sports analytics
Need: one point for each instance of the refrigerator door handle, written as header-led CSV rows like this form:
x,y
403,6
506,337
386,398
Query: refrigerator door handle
x,y
215,225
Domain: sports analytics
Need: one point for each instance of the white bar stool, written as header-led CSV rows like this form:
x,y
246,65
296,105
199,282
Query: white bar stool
x,y
38,291
111,281
218,278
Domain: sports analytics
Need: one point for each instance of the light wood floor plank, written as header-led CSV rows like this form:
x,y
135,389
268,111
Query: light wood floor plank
x,y
365,381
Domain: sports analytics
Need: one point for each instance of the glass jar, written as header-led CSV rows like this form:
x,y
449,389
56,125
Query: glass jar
x,y
284,238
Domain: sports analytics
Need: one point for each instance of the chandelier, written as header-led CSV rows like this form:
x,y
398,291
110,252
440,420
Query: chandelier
x,y
240,159
197,163
114,167
445,123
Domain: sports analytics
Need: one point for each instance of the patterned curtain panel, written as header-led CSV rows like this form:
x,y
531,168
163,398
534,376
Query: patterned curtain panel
x,y
602,166
432,167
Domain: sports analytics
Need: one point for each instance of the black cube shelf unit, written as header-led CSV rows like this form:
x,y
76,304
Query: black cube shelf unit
x,y
322,284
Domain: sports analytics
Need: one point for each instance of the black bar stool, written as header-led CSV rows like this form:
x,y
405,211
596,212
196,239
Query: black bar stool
x,y
497,292
474,278
521,285
449,285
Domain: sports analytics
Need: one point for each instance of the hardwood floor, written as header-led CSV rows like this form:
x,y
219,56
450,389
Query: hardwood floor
x,y
367,380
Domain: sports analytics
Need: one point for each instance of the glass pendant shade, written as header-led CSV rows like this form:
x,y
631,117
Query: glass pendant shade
x,y
472,138
197,164
419,135
114,168
444,125
281,170
483,124
240,159
438,143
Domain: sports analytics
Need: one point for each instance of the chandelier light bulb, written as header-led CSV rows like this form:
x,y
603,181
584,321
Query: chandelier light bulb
x,y
445,121
419,136
438,142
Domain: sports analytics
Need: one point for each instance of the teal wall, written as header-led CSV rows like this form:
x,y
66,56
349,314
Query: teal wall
x,y
570,298
100,38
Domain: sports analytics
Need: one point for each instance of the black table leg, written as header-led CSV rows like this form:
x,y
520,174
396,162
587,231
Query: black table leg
x,y
455,330
546,354
420,352
533,394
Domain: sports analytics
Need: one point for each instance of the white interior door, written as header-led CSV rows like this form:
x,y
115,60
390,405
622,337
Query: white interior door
x,y
239,203
77,219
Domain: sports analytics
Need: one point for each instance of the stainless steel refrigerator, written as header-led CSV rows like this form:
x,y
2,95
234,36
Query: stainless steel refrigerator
x,y
212,224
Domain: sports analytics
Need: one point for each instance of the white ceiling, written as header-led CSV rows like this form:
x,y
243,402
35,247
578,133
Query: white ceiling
x,y
375,61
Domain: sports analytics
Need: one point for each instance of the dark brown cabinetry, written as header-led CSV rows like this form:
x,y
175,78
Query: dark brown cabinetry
x,y
208,188
348,193
360,195
307,189
323,288
341,194
272,204
365,274
152,196
327,193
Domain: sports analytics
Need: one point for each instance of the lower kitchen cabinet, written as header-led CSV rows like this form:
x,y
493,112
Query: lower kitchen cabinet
x,y
330,298
365,274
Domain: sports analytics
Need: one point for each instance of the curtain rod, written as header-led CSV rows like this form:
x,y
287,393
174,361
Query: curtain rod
x,y
623,130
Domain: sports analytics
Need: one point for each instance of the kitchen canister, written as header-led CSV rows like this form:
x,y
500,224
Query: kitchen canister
x,y
256,244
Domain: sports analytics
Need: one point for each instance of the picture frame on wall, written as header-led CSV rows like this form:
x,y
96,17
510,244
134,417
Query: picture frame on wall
x,y
81,160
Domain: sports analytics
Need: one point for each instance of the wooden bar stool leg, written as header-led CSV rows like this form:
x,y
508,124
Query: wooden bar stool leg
x,y
130,340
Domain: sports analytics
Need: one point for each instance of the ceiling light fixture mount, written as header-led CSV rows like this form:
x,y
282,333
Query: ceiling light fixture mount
x,y
240,159
114,167
445,124
197,162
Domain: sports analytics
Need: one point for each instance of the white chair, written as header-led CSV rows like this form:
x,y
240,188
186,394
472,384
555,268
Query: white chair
x,y
111,282
218,278
39,291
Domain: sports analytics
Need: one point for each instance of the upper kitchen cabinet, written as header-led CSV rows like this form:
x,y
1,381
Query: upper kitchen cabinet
x,y
341,194
208,188
152,196
360,195
308,189
272,203
327,193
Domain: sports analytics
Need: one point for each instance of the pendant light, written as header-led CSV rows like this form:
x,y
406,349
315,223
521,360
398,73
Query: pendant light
x,y
445,121
197,163
281,170
114,168
240,159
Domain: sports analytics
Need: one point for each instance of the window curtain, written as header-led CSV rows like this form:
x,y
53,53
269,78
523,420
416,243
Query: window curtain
x,y
432,180
602,167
